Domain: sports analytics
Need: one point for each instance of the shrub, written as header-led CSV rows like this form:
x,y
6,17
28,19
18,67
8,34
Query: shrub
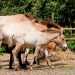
x,y
71,45
2,50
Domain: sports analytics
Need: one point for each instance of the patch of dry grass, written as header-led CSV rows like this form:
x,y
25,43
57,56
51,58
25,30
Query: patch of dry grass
x,y
65,55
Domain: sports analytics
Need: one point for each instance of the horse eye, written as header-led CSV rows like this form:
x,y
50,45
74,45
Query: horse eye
x,y
63,39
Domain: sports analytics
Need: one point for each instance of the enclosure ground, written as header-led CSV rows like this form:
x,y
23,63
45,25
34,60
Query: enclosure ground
x,y
60,69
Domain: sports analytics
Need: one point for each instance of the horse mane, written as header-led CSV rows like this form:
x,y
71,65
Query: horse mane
x,y
32,18
49,23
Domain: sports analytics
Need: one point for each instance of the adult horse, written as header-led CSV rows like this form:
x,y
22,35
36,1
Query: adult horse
x,y
51,47
24,36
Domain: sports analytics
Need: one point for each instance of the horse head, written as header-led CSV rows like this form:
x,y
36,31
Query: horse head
x,y
60,39
61,42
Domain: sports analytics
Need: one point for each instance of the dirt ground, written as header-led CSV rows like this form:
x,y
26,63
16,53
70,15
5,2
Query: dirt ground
x,y
59,68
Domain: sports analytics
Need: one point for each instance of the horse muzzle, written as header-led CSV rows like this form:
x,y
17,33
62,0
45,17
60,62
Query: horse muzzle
x,y
65,47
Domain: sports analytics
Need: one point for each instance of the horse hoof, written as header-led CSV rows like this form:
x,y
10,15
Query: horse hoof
x,y
34,62
17,69
30,68
10,68
52,67
27,63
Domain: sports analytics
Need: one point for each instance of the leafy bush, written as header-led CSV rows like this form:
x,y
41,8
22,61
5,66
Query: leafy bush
x,y
67,33
71,45
32,50
61,11
2,50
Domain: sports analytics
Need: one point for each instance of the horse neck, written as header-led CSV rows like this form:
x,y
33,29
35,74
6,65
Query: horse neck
x,y
51,36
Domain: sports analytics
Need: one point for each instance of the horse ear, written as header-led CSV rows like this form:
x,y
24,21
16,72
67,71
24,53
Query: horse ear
x,y
52,29
62,30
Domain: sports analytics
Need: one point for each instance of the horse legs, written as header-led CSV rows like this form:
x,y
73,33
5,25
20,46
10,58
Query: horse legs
x,y
0,43
19,58
15,52
34,56
47,60
25,56
46,57
11,60
43,53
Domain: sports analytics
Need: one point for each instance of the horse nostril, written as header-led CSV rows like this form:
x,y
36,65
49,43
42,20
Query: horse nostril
x,y
65,48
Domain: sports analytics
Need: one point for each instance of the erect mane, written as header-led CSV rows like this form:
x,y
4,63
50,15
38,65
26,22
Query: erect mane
x,y
29,16
49,23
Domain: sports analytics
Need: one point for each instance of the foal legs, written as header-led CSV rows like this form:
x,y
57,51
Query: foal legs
x,y
46,57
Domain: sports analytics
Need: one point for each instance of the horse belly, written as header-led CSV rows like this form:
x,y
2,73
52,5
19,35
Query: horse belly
x,y
31,39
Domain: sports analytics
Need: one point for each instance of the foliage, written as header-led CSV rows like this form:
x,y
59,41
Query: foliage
x,y
61,11
71,45
67,13
67,33
2,50
32,50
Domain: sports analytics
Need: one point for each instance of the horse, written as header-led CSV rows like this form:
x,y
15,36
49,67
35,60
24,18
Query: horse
x,y
50,48
24,36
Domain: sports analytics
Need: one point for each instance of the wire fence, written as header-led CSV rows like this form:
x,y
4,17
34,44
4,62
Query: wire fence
x,y
69,33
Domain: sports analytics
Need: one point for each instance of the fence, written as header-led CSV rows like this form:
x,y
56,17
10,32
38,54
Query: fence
x,y
70,33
